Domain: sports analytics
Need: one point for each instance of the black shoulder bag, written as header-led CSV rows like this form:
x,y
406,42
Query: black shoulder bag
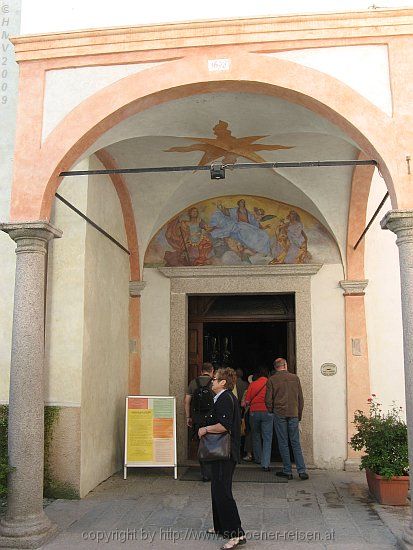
x,y
216,446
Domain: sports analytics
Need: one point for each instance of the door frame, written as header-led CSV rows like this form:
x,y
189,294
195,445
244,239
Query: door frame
x,y
291,279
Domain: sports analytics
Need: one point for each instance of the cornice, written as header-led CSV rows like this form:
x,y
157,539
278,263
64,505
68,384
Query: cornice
x,y
261,30
401,223
240,271
31,237
136,287
354,288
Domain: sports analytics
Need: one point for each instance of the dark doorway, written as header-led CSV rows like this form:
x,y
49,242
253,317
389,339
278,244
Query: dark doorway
x,y
240,331
245,346
243,332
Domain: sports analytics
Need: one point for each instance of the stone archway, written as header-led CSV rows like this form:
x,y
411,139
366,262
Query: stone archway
x,y
249,72
34,187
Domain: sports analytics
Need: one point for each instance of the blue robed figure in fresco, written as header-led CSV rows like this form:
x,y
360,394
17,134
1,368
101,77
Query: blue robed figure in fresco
x,y
240,224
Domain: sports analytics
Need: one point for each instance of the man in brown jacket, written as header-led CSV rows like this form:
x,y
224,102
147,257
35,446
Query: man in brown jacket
x,y
284,398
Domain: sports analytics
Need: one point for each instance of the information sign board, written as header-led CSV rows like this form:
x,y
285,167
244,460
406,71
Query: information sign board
x,y
150,432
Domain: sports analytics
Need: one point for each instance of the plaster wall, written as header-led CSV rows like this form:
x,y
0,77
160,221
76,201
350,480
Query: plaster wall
x,y
66,88
8,104
65,296
105,348
64,452
328,330
8,263
363,68
383,305
155,333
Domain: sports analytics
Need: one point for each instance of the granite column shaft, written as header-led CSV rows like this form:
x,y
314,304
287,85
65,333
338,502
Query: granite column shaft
x,y
401,223
25,524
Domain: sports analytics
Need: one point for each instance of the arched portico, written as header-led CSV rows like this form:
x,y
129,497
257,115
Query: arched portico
x,y
34,186
362,121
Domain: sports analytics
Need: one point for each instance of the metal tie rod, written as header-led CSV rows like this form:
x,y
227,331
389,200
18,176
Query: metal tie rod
x,y
91,222
243,165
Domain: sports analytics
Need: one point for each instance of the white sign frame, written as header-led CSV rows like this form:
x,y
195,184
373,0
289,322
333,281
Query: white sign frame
x,y
151,464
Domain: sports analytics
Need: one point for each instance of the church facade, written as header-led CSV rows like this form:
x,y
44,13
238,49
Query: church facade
x,y
262,261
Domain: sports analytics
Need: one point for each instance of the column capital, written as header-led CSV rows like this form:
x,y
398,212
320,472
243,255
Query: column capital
x,y
136,287
31,236
354,288
401,223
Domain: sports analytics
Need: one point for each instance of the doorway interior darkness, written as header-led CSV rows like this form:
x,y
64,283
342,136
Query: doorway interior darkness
x,y
246,345
244,331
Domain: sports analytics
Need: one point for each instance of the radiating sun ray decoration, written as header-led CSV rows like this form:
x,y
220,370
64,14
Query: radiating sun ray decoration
x,y
227,147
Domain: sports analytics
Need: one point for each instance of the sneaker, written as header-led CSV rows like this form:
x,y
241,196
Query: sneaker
x,y
303,476
266,469
283,474
247,458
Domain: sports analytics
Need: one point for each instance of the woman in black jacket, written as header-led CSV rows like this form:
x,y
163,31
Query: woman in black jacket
x,y
227,419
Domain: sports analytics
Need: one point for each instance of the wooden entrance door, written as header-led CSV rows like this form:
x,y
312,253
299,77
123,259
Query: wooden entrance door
x,y
195,349
195,358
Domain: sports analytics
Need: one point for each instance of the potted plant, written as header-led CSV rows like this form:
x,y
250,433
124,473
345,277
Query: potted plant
x,y
383,437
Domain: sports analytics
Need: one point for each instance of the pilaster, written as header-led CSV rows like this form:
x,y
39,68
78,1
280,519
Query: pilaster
x,y
357,372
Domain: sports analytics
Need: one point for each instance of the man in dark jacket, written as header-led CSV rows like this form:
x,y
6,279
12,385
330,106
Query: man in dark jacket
x,y
196,419
284,398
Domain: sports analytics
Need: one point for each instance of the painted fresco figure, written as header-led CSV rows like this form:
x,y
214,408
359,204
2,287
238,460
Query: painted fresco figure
x,y
240,224
291,245
190,240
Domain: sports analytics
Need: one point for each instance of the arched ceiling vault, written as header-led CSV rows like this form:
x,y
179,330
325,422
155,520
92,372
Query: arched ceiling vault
x,y
144,140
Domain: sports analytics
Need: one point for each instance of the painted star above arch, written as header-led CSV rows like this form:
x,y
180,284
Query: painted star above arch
x,y
227,146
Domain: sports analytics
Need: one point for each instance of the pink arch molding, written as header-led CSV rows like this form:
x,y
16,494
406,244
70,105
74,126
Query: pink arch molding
x,y
34,184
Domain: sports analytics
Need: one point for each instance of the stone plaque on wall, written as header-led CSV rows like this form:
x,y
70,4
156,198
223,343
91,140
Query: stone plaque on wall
x,y
328,369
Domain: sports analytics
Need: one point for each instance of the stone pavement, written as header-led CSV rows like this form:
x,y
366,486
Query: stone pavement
x,y
151,509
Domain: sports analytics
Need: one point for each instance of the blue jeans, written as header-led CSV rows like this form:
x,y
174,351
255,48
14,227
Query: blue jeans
x,y
287,427
261,426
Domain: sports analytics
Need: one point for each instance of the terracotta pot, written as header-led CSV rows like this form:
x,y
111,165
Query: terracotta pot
x,y
391,491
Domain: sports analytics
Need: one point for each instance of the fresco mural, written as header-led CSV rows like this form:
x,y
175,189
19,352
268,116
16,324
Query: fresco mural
x,y
241,230
227,147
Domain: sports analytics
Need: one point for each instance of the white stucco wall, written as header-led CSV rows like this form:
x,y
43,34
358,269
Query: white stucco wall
x,y
8,263
65,296
105,347
8,105
363,68
66,88
328,325
155,333
383,305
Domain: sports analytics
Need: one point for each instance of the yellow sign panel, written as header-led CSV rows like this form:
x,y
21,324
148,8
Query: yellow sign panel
x,y
140,435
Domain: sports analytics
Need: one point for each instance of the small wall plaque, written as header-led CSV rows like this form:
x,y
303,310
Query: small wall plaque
x,y
328,369
356,346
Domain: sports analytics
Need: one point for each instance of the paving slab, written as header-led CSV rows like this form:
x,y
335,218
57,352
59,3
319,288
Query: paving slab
x,y
331,510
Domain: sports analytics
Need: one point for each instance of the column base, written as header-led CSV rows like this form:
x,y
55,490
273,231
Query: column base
x,y
30,532
405,542
352,464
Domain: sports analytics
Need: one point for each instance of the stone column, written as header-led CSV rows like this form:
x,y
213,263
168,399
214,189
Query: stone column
x,y
401,223
357,361
25,524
